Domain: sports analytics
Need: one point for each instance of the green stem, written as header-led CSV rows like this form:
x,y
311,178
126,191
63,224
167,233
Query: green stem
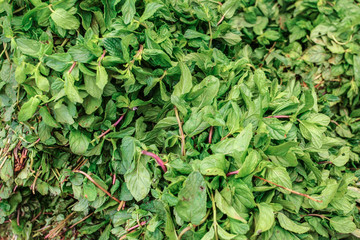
x,y
50,7
211,37
214,216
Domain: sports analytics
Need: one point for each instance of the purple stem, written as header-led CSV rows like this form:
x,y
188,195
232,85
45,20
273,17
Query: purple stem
x,y
136,226
114,125
232,173
38,140
278,116
157,158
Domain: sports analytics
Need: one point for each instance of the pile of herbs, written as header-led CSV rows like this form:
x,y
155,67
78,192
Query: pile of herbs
x,y
186,119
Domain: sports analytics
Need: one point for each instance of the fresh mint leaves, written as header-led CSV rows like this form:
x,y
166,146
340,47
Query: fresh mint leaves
x,y
179,119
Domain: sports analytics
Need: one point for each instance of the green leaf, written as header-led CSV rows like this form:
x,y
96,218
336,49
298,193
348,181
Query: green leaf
x,y
109,11
312,132
59,61
64,19
29,47
128,151
7,171
192,199
41,82
79,142
250,164
150,10
47,118
138,181
185,84
91,86
62,115
158,57
280,176
71,91
343,224
91,104
234,145
272,35
265,219
281,149
342,158
90,191
28,109
315,54
326,195
290,225
105,235
319,228
276,129
224,234
226,208
128,10
356,60
101,77
209,235
214,165
210,86
81,54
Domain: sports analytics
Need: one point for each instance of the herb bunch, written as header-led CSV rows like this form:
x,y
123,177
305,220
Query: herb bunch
x,y
185,119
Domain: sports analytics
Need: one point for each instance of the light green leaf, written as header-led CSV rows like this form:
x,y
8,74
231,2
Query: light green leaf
x,y
265,219
101,77
226,208
250,164
280,176
28,110
71,91
150,10
224,234
342,157
64,19
232,145
326,195
290,225
343,224
185,84
29,47
41,82
356,60
214,165
128,10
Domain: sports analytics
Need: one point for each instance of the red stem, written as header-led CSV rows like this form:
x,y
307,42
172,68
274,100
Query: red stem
x,y
232,173
114,179
102,57
324,162
38,140
114,125
136,226
157,158
211,134
72,67
278,116
18,217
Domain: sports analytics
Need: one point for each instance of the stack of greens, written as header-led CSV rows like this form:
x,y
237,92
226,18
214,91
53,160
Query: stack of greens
x,y
186,119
